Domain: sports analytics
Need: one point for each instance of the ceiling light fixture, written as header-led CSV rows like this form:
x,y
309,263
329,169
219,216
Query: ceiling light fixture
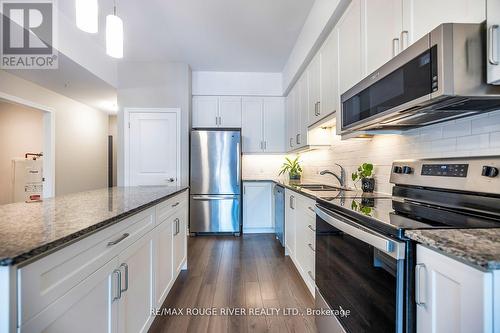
x,y
114,35
87,15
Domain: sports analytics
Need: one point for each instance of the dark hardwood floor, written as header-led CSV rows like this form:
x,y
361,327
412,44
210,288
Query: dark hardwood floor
x,y
237,272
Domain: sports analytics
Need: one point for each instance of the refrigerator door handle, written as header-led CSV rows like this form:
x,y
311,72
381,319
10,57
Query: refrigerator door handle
x,y
238,167
213,197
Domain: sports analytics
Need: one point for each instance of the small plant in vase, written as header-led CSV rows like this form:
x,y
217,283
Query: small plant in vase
x,y
365,174
293,168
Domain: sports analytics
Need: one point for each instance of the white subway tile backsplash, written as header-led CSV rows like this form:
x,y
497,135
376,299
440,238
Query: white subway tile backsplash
x,y
486,124
471,142
457,128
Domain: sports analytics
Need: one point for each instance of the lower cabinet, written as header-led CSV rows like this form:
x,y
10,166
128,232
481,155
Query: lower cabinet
x,y
118,296
258,207
452,296
300,235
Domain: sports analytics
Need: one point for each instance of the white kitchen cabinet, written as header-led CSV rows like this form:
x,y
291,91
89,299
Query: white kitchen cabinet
x,y
179,230
493,40
216,112
329,96
292,118
302,113
314,75
351,67
136,296
88,307
383,25
230,112
205,111
258,207
422,16
163,260
263,125
274,125
451,296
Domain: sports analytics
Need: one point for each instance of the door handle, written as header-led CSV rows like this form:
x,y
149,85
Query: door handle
x,y
491,45
210,197
118,280
419,281
122,237
403,44
122,290
238,166
395,47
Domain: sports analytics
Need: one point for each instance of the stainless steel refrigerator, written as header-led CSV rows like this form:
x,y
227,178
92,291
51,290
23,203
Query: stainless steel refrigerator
x,y
215,199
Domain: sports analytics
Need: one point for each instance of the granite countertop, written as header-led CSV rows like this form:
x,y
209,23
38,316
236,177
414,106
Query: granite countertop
x,y
477,247
30,230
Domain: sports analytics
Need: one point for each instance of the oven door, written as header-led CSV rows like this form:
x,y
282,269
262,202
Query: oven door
x,y
360,272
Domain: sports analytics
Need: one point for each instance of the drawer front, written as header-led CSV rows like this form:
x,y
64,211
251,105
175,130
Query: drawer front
x,y
49,278
165,209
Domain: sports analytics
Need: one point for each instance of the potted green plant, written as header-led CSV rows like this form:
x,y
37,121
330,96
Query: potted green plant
x,y
292,167
365,174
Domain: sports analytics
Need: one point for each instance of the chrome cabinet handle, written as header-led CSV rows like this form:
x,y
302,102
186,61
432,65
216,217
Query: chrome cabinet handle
x,y
291,142
311,275
310,227
122,290
265,145
177,228
311,209
118,280
395,47
292,198
170,180
311,247
216,120
491,44
175,204
403,44
261,146
297,139
122,237
319,108
419,300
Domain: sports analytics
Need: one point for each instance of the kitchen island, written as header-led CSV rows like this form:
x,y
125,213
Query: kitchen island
x,y
109,256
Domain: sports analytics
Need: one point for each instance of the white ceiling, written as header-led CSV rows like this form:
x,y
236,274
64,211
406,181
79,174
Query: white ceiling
x,y
213,35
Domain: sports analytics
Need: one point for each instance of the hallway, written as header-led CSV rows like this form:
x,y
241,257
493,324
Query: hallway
x,y
237,272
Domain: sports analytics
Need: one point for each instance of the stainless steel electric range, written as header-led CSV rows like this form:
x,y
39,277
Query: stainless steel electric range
x,y
364,262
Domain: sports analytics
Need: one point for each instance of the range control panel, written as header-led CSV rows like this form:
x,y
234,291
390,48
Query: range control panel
x,y
475,174
445,170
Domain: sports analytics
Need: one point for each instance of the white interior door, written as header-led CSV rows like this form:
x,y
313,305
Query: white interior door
x,y
153,148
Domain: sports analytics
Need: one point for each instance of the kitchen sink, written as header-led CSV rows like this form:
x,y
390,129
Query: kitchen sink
x,y
320,187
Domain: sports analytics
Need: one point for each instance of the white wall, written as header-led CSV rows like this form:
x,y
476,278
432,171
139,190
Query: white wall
x,y
474,136
321,19
113,131
155,85
237,84
80,136
21,131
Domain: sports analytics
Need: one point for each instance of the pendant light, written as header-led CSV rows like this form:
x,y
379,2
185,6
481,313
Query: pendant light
x,y
114,35
87,15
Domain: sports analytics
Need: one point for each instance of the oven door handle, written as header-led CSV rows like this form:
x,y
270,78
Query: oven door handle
x,y
386,245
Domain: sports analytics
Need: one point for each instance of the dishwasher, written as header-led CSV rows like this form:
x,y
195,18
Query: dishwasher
x,y
279,213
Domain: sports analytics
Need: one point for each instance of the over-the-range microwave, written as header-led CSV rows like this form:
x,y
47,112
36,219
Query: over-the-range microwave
x,y
440,77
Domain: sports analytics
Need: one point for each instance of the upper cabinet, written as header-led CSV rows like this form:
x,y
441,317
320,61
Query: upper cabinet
x,y
314,75
263,125
493,54
422,16
216,111
302,112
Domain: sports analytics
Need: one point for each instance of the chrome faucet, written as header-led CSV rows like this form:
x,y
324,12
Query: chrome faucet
x,y
341,179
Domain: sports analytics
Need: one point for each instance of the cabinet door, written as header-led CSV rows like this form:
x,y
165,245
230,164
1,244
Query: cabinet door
x,y
383,26
252,122
274,125
88,307
257,207
350,47
314,74
290,120
493,23
163,266
230,112
136,301
451,296
179,228
290,205
205,111
329,100
421,16
302,111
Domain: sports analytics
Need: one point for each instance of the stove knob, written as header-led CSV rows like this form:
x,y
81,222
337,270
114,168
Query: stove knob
x,y
489,171
407,170
397,169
